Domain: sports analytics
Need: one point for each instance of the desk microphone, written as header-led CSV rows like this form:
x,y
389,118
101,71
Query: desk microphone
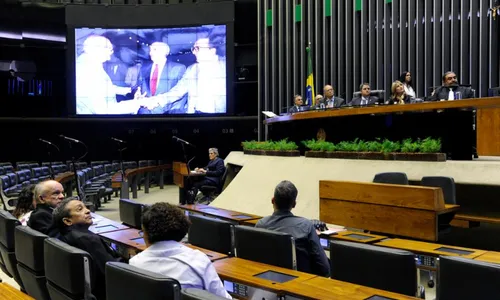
x,y
118,140
182,141
46,142
70,139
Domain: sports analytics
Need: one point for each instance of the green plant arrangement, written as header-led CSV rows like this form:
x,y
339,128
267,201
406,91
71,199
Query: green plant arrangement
x,y
429,145
319,145
279,148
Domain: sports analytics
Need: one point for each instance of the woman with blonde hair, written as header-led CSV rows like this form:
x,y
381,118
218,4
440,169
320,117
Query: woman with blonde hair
x,y
398,95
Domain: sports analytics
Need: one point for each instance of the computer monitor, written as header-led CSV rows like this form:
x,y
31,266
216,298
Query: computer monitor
x,y
131,213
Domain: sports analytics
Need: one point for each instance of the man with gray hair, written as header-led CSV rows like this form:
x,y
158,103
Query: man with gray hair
x,y
48,194
213,174
310,255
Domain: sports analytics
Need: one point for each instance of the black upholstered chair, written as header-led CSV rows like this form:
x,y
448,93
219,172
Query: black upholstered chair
x,y
211,192
378,267
8,225
212,234
265,246
198,294
68,271
30,262
391,178
447,184
124,281
131,212
462,278
8,193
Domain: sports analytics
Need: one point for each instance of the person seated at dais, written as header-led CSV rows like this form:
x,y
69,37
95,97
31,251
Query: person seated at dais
x,y
398,94
450,88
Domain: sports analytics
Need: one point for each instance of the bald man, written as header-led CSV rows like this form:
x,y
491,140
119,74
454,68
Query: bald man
x,y
330,100
95,92
48,194
160,76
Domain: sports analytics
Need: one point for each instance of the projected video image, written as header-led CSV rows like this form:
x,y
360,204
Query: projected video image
x,y
151,71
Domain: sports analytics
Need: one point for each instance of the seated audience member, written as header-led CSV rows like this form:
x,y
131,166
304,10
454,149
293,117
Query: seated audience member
x,y
405,78
319,101
213,172
25,204
310,255
164,226
398,95
297,103
73,220
330,100
48,194
364,98
449,88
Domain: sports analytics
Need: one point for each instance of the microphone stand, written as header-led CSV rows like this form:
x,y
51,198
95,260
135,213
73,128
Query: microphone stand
x,y
75,171
49,155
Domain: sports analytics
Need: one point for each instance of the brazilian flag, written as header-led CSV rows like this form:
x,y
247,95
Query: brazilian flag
x,y
310,96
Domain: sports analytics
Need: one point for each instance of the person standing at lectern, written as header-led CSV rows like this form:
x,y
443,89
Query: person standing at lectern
x,y
450,88
310,255
213,172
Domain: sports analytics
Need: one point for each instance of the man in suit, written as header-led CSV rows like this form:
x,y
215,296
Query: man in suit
x,y
364,98
73,219
213,172
330,100
297,102
449,89
159,77
48,194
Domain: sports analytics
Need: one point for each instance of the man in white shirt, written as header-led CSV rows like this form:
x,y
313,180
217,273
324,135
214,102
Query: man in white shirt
x,y
95,92
204,81
164,226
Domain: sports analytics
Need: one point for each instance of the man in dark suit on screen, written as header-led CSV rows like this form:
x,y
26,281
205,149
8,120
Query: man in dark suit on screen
x,y
449,89
159,77
213,172
364,98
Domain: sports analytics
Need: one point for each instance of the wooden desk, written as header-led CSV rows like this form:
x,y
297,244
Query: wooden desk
x,y
402,210
243,271
251,223
102,225
8,292
345,236
326,288
428,248
66,179
132,176
225,214
130,238
490,256
181,174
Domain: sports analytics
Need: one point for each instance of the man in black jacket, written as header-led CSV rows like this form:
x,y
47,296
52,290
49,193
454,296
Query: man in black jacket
x,y
449,89
364,98
73,220
213,172
48,194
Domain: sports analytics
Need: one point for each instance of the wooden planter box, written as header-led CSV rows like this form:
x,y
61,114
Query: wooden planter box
x,y
378,155
272,152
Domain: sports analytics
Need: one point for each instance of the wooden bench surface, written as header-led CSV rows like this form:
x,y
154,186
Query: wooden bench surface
x,y
225,214
490,256
326,288
64,177
116,179
479,219
346,236
402,210
8,292
427,248
130,238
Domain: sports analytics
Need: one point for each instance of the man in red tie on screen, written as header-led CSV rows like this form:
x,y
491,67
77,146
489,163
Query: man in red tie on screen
x,y
160,76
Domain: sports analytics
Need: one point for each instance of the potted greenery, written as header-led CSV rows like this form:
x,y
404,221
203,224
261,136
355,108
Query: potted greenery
x,y
318,148
421,150
278,148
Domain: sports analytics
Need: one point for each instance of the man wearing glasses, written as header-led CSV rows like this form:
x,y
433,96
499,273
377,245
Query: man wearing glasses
x,y
204,82
48,194
451,90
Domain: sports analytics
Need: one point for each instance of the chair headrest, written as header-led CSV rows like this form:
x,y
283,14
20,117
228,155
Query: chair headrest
x,y
211,233
29,247
124,281
198,294
131,212
8,224
66,266
5,181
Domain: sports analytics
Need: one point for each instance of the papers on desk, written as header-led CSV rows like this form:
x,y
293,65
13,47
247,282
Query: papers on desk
x,y
331,231
194,172
269,114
